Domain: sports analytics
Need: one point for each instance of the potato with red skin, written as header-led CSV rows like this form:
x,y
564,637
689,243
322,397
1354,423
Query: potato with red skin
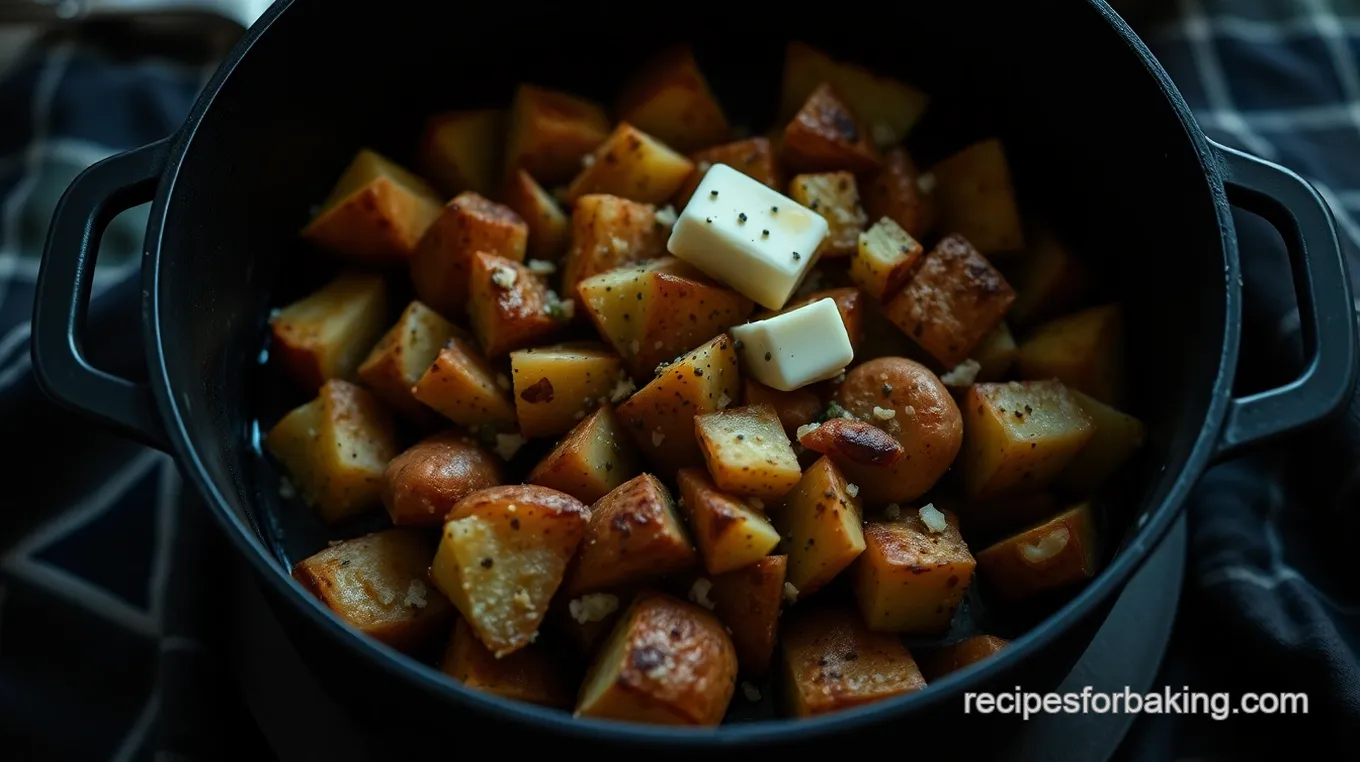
x,y
421,485
925,421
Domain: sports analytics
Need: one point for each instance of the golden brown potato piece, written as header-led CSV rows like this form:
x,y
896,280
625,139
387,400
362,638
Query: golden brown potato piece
x,y
912,575
826,136
442,265
905,399
977,198
670,99
463,387
462,150
1118,437
377,583
795,409
747,451
832,662
402,356
885,259
935,663
902,194
509,306
667,662
1048,281
1051,557
550,131
634,165
549,230
955,299
890,108
1018,436
335,449
753,157
325,334
376,213
729,532
609,232
820,520
660,416
1084,350
849,302
748,601
850,441
557,386
995,353
593,459
835,196
421,485
529,674
634,536
502,557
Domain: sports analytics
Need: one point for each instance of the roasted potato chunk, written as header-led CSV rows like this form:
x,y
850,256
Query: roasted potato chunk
x,y
502,557
634,165
376,212
1118,437
954,300
988,518
820,520
753,157
670,98
549,228
902,194
421,485
1018,436
529,674
396,363
325,334
885,259
463,387
747,451
935,663
441,267
849,302
912,574
609,232
509,306
835,196
1048,558
748,601
335,449
556,386
550,131
995,353
377,583
832,662
1084,350
730,532
890,108
462,150
850,441
667,662
795,409
634,536
977,198
1048,281
593,459
826,136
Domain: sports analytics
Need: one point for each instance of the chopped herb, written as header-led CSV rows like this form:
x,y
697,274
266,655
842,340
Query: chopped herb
x,y
833,410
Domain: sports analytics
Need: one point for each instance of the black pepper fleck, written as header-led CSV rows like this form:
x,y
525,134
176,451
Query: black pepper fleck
x,y
712,194
514,523
768,357
487,563
740,344
741,217
774,210
797,256
698,371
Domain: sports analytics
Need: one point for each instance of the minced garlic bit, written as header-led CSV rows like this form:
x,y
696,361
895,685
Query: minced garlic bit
x,y
588,160
893,511
593,607
756,503
751,692
884,413
839,379
926,182
522,599
623,389
724,401
658,437
665,216
883,134
852,490
1047,547
933,518
963,374
541,267
806,429
698,593
508,444
415,594
502,381
504,277
790,592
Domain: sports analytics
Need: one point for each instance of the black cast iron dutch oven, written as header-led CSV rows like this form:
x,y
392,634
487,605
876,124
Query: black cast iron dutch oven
x,y
1101,144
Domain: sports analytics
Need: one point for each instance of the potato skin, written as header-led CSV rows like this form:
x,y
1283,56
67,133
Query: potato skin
x,y
421,485
825,136
938,662
895,193
749,601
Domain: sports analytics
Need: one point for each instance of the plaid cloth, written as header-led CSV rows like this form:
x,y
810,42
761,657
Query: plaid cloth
x,y
102,576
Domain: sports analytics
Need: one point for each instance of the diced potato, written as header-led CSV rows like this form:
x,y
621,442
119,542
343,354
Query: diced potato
x,y
826,136
890,108
549,229
634,536
502,557
748,602
377,583
1018,436
1118,436
634,165
609,232
954,300
557,386
995,353
835,196
885,259
325,334
660,416
796,408
550,131
902,194
730,533
442,265
1049,558
335,449
832,662
988,518
1049,281
670,99
848,302
509,306
406,351
667,662
753,157
528,675
935,663
462,386
747,451
462,150
821,521
1084,350
911,578
593,459
849,441
376,213
422,484
976,198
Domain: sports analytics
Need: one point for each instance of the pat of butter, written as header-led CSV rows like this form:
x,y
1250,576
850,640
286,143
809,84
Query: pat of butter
x,y
797,348
740,231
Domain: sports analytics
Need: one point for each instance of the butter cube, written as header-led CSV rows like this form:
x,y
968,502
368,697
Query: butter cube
x,y
796,348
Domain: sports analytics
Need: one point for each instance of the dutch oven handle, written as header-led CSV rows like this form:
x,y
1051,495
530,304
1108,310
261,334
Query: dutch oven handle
x,y
93,199
1322,288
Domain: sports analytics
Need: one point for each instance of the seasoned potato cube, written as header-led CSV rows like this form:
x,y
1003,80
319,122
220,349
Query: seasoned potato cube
x,y
730,533
325,334
851,441
885,259
977,199
549,229
902,194
753,157
634,536
748,601
403,355
509,306
557,386
421,485
1049,281
888,106
667,662
821,521
462,150
1017,437
747,451
463,387
377,583
832,662
1050,557
1118,436
796,408
995,353
529,674
376,213
912,575
954,300
335,449
593,459
826,136
935,663
660,416
835,196
502,557
670,99
634,165
1084,350
609,232
442,265
550,131
848,302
